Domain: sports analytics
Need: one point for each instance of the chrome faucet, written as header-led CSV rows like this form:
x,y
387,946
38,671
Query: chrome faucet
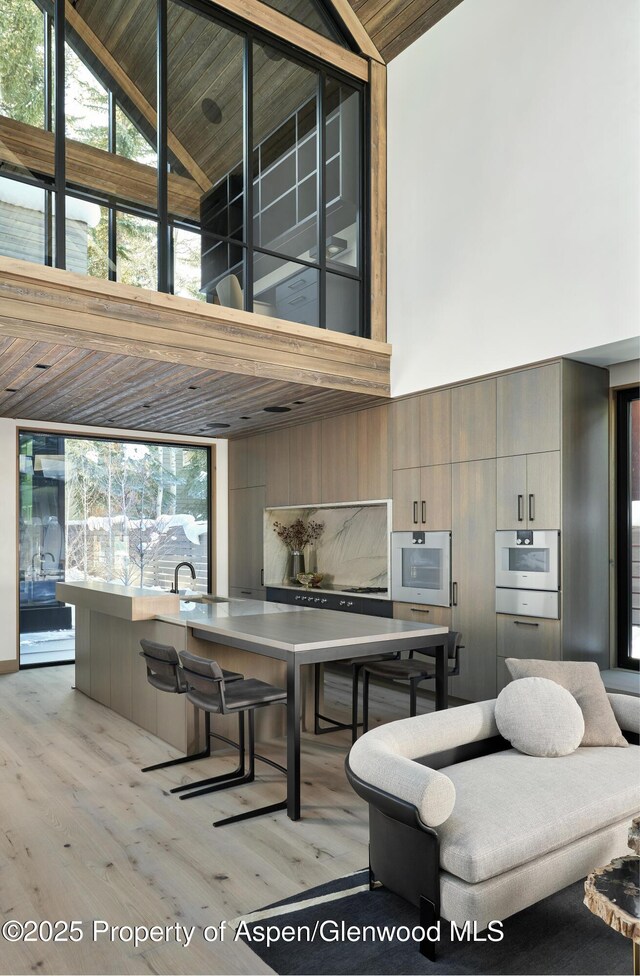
x,y
175,575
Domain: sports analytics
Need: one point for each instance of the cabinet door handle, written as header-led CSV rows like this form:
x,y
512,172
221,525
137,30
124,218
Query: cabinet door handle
x,y
415,513
246,592
262,577
297,284
454,594
526,623
532,508
424,513
520,508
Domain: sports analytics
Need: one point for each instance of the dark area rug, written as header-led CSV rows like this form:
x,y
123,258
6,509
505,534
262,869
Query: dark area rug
x,y
557,936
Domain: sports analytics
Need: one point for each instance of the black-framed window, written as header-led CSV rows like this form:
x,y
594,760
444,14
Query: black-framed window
x,y
108,509
628,526
250,182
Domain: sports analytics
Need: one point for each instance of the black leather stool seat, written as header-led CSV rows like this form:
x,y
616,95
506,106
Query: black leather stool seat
x,y
248,693
401,669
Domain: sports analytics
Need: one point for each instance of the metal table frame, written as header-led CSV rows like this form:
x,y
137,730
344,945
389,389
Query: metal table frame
x,y
296,659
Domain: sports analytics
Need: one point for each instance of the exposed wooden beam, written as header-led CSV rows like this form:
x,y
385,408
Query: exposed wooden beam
x,y
94,43
352,22
297,34
378,196
45,304
32,149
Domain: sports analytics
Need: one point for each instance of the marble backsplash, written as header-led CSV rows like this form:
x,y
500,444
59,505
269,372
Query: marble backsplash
x,y
352,550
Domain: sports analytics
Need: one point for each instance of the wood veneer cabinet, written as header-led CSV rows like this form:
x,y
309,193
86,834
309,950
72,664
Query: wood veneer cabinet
x,y
529,410
247,462
473,524
374,468
421,430
528,491
339,478
473,421
355,456
305,470
422,498
246,511
422,614
278,466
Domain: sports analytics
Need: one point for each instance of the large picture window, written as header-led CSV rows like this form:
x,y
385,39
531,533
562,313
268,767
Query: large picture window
x,y
628,526
115,511
185,151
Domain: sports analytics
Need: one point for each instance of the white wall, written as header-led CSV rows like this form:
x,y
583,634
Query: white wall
x,y
513,187
8,506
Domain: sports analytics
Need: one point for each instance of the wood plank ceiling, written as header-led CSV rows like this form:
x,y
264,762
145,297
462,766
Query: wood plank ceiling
x,y
44,381
395,24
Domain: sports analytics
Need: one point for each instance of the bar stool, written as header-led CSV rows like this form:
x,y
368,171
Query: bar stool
x,y
208,691
165,674
413,670
335,725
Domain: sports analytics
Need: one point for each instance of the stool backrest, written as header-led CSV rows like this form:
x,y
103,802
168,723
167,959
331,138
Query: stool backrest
x,y
204,677
453,641
163,666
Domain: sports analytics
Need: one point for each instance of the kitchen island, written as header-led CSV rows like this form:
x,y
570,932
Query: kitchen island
x,y
275,642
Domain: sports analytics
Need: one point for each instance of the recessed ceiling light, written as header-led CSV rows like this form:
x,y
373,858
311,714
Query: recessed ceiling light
x,y
298,402
146,406
277,409
193,387
42,366
218,426
245,418
211,111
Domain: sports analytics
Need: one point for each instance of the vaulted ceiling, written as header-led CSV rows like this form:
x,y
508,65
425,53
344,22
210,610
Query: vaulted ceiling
x,y
395,24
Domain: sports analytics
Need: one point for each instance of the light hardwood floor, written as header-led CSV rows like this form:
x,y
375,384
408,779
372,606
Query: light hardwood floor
x,y
84,835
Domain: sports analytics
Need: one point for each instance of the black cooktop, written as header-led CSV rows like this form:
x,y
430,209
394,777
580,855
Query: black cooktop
x,y
365,589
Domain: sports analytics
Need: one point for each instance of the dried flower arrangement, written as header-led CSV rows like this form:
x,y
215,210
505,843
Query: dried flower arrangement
x,y
298,535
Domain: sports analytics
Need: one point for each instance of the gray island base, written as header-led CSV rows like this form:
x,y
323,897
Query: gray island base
x,y
274,642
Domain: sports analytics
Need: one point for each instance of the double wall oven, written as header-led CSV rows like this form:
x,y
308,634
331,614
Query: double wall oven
x,y
528,572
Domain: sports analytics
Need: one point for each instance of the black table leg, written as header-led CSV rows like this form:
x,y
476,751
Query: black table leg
x,y
442,691
293,740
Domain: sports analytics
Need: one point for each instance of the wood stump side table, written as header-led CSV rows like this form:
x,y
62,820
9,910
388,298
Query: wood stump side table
x,y
613,893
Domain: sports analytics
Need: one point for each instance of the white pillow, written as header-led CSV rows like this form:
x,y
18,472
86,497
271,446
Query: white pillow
x,y
539,717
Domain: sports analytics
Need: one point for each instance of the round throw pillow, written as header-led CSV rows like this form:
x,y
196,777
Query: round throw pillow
x,y
539,717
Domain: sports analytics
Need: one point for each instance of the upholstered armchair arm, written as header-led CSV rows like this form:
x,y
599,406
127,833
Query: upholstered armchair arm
x,y
385,758
626,709
430,792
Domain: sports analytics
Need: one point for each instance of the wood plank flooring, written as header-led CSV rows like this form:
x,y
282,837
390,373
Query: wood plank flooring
x,y
85,836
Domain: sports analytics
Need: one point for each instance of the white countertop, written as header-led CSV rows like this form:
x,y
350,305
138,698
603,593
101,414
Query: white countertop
x,y
271,625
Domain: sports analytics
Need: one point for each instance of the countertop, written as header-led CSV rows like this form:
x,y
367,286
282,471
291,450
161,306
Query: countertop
x,y
117,600
270,625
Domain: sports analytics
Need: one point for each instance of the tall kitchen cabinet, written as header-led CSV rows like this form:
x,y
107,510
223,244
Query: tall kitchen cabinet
x,y
421,455
552,473
247,499
473,505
